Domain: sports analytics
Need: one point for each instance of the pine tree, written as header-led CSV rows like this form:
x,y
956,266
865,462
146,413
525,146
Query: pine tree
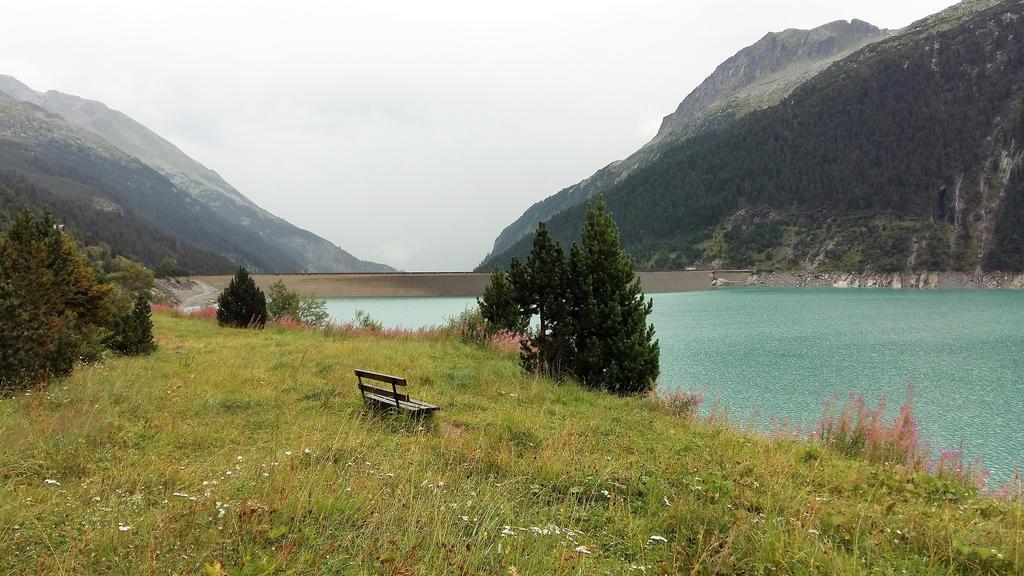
x,y
242,304
615,348
499,306
53,308
540,288
282,302
133,330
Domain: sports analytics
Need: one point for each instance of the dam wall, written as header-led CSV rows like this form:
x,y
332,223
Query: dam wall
x,y
459,284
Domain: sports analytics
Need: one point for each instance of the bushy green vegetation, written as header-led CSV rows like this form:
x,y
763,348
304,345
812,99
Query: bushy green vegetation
x,y
54,311
899,132
282,302
133,330
57,309
251,452
498,305
242,304
285,303
366,322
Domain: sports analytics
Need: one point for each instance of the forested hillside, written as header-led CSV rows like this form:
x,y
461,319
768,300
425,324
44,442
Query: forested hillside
x,y
904,155
758,76
306,251
79,164
98,224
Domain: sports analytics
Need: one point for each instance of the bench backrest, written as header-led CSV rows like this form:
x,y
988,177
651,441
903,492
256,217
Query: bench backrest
x,y
360,374
370,389
393,393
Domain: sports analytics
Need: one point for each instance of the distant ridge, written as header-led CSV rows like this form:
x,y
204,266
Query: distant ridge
x,y
271,244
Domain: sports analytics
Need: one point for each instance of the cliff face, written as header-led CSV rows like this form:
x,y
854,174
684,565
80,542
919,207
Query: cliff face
x,y
757,77
763,74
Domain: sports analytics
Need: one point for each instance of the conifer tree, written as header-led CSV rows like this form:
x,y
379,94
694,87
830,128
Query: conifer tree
x,y
540,288
615,348
133,330
498,305
242,304
282,302
53,308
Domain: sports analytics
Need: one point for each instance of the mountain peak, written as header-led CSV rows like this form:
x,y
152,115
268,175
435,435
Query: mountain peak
x,y
757,77
765,72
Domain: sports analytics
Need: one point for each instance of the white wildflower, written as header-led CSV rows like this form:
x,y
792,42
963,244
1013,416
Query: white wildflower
x,y
123,527
51,482
582,549
507,531
653,539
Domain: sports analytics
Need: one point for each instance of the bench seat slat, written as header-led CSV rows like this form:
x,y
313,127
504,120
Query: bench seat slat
x,y
412,407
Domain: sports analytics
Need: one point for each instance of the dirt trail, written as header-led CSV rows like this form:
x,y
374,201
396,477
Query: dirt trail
x,y
186,292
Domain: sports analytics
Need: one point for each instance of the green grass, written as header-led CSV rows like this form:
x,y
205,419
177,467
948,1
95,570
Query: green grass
x,y
200,451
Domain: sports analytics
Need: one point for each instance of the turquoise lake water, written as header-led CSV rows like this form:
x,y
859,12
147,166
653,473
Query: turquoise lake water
x,y
766,352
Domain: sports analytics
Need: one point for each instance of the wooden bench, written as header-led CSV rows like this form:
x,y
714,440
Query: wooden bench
x,y
391,399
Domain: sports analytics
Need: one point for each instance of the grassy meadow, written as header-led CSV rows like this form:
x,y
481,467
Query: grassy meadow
x,y
244,452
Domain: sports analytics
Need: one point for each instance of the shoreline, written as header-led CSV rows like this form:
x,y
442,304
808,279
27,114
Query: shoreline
x,y
895,280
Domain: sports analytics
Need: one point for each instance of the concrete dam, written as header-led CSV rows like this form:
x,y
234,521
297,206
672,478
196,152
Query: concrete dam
x,y
467,284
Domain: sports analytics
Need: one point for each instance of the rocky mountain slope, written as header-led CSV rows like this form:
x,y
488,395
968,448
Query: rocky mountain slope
x,y
264,241
903,156
756,77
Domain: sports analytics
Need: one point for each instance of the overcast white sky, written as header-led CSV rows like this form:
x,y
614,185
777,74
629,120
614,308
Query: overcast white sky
x,y
408,133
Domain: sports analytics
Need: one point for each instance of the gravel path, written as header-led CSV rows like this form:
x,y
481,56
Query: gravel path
x,y
186,292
